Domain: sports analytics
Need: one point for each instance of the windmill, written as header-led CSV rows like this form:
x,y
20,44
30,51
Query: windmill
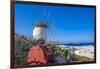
x,y
40,53
42,29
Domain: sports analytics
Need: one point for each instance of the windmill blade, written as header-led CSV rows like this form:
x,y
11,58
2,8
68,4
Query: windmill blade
x,y
46,16
52,34
45,12
36,16
49,37
48,22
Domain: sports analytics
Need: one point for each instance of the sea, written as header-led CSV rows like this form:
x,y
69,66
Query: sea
x,y
79,44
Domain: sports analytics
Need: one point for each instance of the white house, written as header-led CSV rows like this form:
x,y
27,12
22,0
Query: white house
x,y
73,51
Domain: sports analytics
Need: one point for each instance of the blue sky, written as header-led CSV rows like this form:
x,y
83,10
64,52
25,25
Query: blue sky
x,y
66,23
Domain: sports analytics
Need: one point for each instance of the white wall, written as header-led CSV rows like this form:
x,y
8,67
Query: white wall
x,y
40,33
5,34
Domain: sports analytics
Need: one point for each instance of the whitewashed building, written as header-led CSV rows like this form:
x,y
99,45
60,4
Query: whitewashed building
x,y
74,51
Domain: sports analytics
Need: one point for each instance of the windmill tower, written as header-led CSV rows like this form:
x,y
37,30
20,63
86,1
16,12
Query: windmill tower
x,y
40,31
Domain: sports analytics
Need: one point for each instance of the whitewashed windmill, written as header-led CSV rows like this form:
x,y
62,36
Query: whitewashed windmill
x,y
40,31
